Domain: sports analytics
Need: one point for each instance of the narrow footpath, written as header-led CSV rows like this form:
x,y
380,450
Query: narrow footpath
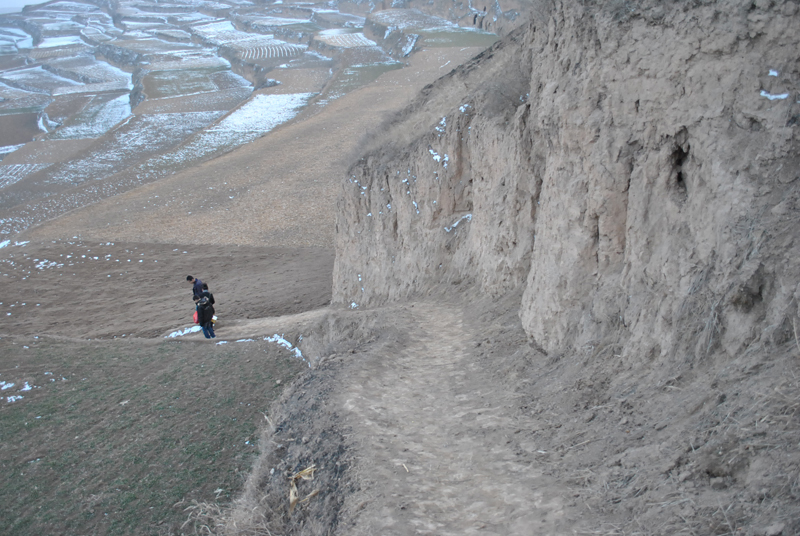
x,y
431,440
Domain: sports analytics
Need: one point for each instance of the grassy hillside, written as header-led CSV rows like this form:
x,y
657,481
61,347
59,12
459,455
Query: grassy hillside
x,y
121,437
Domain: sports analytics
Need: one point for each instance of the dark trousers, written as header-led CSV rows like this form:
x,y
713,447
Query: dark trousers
x,y
208,330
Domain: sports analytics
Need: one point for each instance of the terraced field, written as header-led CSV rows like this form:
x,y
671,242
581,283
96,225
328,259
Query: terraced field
x,y
9,174
148,89
283,50
345,39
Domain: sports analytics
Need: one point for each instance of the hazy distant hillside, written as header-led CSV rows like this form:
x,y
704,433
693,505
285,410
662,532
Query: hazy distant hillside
x,y
98,98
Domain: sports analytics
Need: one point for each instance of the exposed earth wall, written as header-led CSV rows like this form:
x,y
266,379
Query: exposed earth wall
x,y
632,170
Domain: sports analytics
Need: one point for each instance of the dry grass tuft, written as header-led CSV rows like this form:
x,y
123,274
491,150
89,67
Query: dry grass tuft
x,y
203,518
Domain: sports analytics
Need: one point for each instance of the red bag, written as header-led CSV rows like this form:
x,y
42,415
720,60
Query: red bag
x,y
195,317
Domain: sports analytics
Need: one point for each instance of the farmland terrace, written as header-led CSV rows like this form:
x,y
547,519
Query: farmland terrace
x,y
97,99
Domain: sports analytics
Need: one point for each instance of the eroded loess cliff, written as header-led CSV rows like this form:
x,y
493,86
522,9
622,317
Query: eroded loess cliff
x,y
629,174
632,170
571,273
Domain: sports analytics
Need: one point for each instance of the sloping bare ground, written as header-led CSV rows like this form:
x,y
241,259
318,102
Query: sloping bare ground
x,y
436,416
408,431
121,289
431,432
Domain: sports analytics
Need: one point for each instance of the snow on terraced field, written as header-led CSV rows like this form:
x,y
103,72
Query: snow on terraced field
x,y
62,41
96,118
141,136
17,100
261,49
10,174
407,19
144,88
88,70
173,35
58,52
151,46
36,80
12,39
222,100
71,7
342,38
218,33
263,113
255,118
189,59
273,22
171,84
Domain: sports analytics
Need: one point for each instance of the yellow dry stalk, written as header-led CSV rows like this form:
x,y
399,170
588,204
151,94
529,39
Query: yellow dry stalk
x,y
306,474
292,497
310,496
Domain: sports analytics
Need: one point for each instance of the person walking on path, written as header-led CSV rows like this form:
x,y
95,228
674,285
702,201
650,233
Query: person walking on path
x,y
205,317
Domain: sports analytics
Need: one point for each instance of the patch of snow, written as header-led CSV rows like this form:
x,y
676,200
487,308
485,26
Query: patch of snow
x,y
411,42
50,42
345,39
467,217
286,344
185,331
99,117
774,97
10,149
263,113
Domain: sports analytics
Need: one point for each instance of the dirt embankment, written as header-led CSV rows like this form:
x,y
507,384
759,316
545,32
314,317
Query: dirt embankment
x,y
631,175
612,162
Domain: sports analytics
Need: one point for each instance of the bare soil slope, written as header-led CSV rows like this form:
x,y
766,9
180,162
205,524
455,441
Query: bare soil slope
x,y
478,374
437,416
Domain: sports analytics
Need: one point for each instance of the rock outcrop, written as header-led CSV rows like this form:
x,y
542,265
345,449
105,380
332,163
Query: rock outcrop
x,y
632,170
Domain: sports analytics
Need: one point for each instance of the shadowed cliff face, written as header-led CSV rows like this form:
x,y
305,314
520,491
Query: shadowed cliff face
x,y
633,172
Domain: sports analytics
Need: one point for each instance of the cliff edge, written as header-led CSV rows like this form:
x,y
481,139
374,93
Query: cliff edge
x,y
633,172
626,175
565,293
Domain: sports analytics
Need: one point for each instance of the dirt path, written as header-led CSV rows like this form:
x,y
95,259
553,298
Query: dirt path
x,y
432,458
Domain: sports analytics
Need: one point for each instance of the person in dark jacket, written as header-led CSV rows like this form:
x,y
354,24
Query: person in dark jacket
x,y
205,315
197,286
197,290
208,294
